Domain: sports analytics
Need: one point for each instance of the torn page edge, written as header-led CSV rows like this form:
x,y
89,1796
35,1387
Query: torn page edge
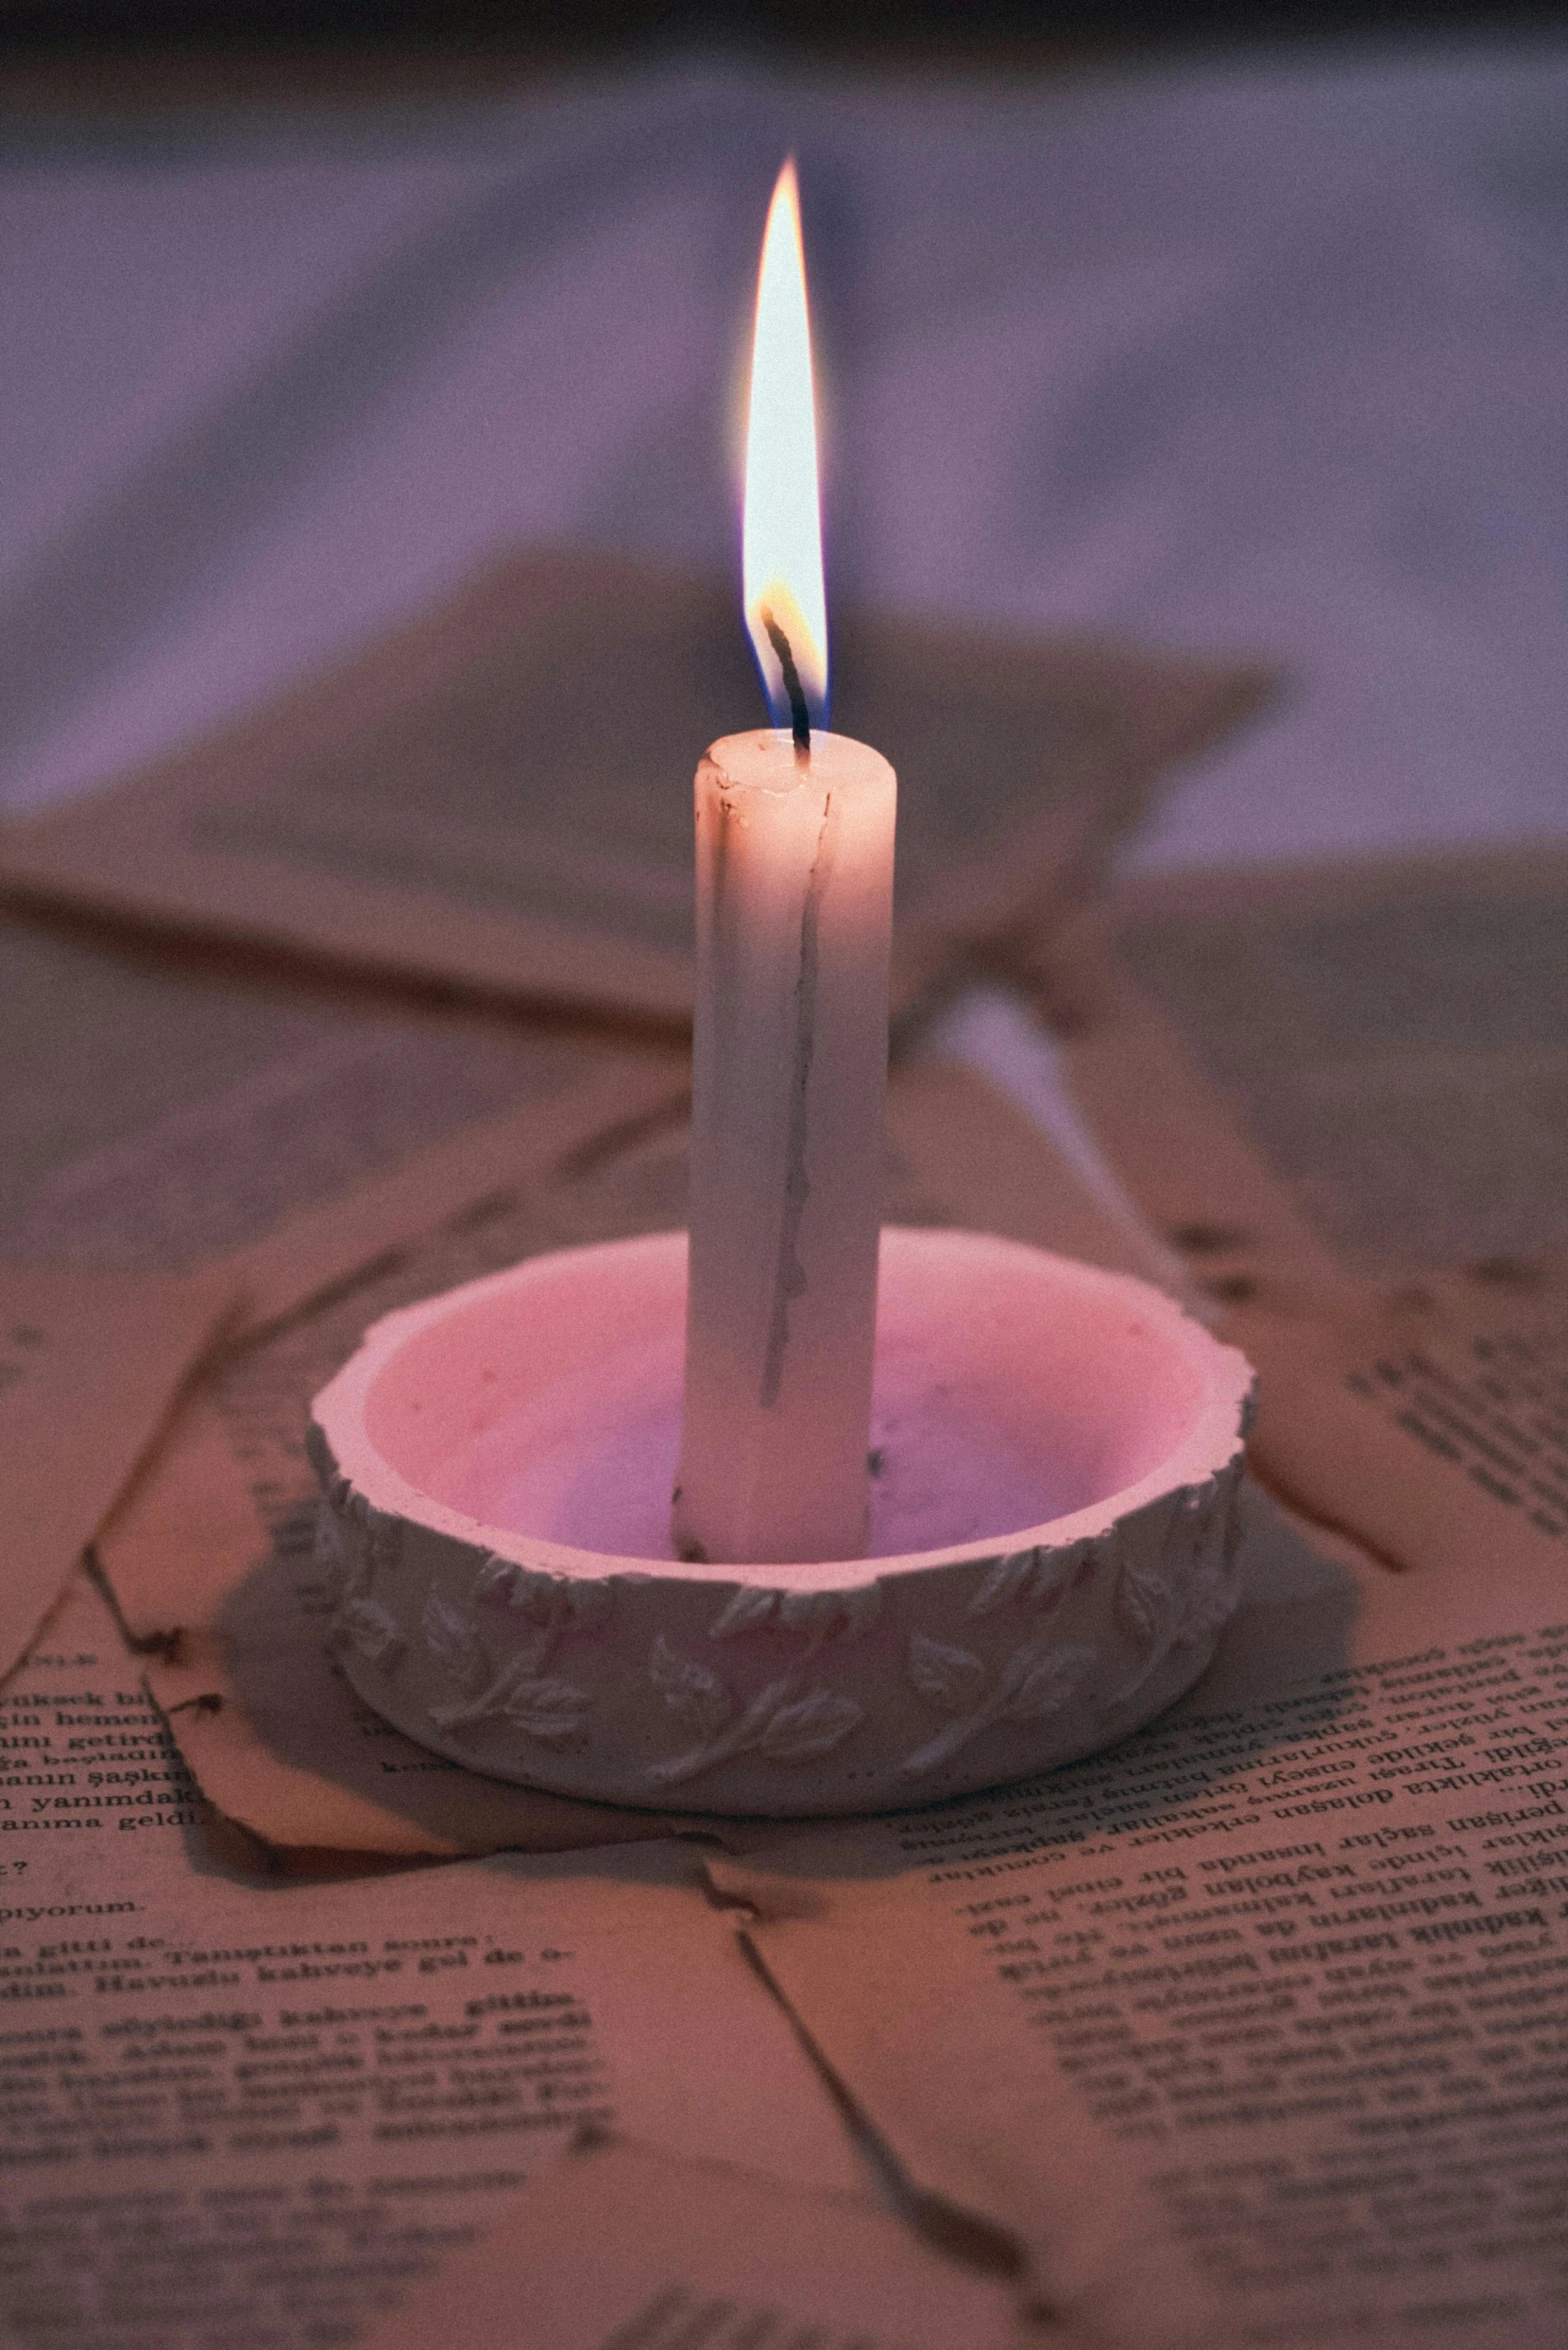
x,y
970,2238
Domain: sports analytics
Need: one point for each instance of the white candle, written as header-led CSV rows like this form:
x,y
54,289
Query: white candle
x,y
794,896
794,924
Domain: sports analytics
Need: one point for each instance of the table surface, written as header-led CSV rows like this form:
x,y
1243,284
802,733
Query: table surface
x,y
1266,358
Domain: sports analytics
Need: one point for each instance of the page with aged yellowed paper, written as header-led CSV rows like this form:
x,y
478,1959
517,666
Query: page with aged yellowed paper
x,y
1340,1092
500,795
625,2244
212,1563
1431,1418
91,1365
166,1112
1253,2029
1390,1035
212,1560
242,2112
170,1108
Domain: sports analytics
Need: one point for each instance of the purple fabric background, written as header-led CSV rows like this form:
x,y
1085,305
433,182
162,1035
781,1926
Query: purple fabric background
x,y
1255,361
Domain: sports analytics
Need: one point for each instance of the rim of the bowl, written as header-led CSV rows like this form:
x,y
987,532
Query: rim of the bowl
x,y
1217,1434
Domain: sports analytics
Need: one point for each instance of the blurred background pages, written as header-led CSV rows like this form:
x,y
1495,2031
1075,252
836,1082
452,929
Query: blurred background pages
x,y
499,796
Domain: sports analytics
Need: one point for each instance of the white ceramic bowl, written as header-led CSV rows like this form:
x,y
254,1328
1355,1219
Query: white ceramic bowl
x,y
1058,1453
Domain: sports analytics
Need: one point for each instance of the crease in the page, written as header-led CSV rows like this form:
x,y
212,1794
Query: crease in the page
x,y
627,1134
733,1882
164,1646
971,2238
1311,1512
210,1701
959,2231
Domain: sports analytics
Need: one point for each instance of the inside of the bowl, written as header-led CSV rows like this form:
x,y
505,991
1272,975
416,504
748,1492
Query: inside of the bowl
x,y
1007,1395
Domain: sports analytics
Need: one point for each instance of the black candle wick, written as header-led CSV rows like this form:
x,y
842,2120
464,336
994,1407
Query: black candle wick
x,y
799,715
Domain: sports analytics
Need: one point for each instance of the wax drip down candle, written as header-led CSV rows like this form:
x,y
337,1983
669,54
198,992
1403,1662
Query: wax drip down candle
x,y
794,925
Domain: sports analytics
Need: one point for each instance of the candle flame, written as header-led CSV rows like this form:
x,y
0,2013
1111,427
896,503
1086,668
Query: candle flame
x,y
786,609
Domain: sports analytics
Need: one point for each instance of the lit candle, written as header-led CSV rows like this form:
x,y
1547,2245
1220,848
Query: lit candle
x,y
794,923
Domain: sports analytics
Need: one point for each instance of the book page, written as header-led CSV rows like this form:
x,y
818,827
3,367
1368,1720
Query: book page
x,y
626,2244
1336,1092
169,1114
91,1365
1390,1035
1431,1418
212,1565
1252,2028
172,1109
244,2111
501,794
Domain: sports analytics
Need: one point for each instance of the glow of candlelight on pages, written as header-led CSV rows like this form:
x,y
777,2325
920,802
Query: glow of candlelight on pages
x,y
786,609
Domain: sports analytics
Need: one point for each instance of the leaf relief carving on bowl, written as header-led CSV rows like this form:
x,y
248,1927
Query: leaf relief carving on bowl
x,y
817,1616
371,1631
517,1689
1184,1596
1038,1579
542,1596
1038,1680
780,1723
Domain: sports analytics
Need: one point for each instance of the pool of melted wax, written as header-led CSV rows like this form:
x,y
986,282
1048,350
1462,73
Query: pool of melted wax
x,y
941,1473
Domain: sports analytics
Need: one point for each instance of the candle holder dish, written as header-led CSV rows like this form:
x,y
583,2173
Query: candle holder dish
x,y
1057,1453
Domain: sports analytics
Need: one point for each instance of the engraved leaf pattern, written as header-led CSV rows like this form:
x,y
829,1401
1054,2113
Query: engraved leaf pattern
x,y
949,1677
831,1615
553,1601
1182,1598
495,1580
694,1694
778,1723
1215,1580
747,1610
368,1627
818,1615
546,1708
542,1707
1143,1603
1055,1573
1044,1683
1227,1570
519,1690
450,1636
813,1725
540,1598
1039,1579
1038,1680
1004,1580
